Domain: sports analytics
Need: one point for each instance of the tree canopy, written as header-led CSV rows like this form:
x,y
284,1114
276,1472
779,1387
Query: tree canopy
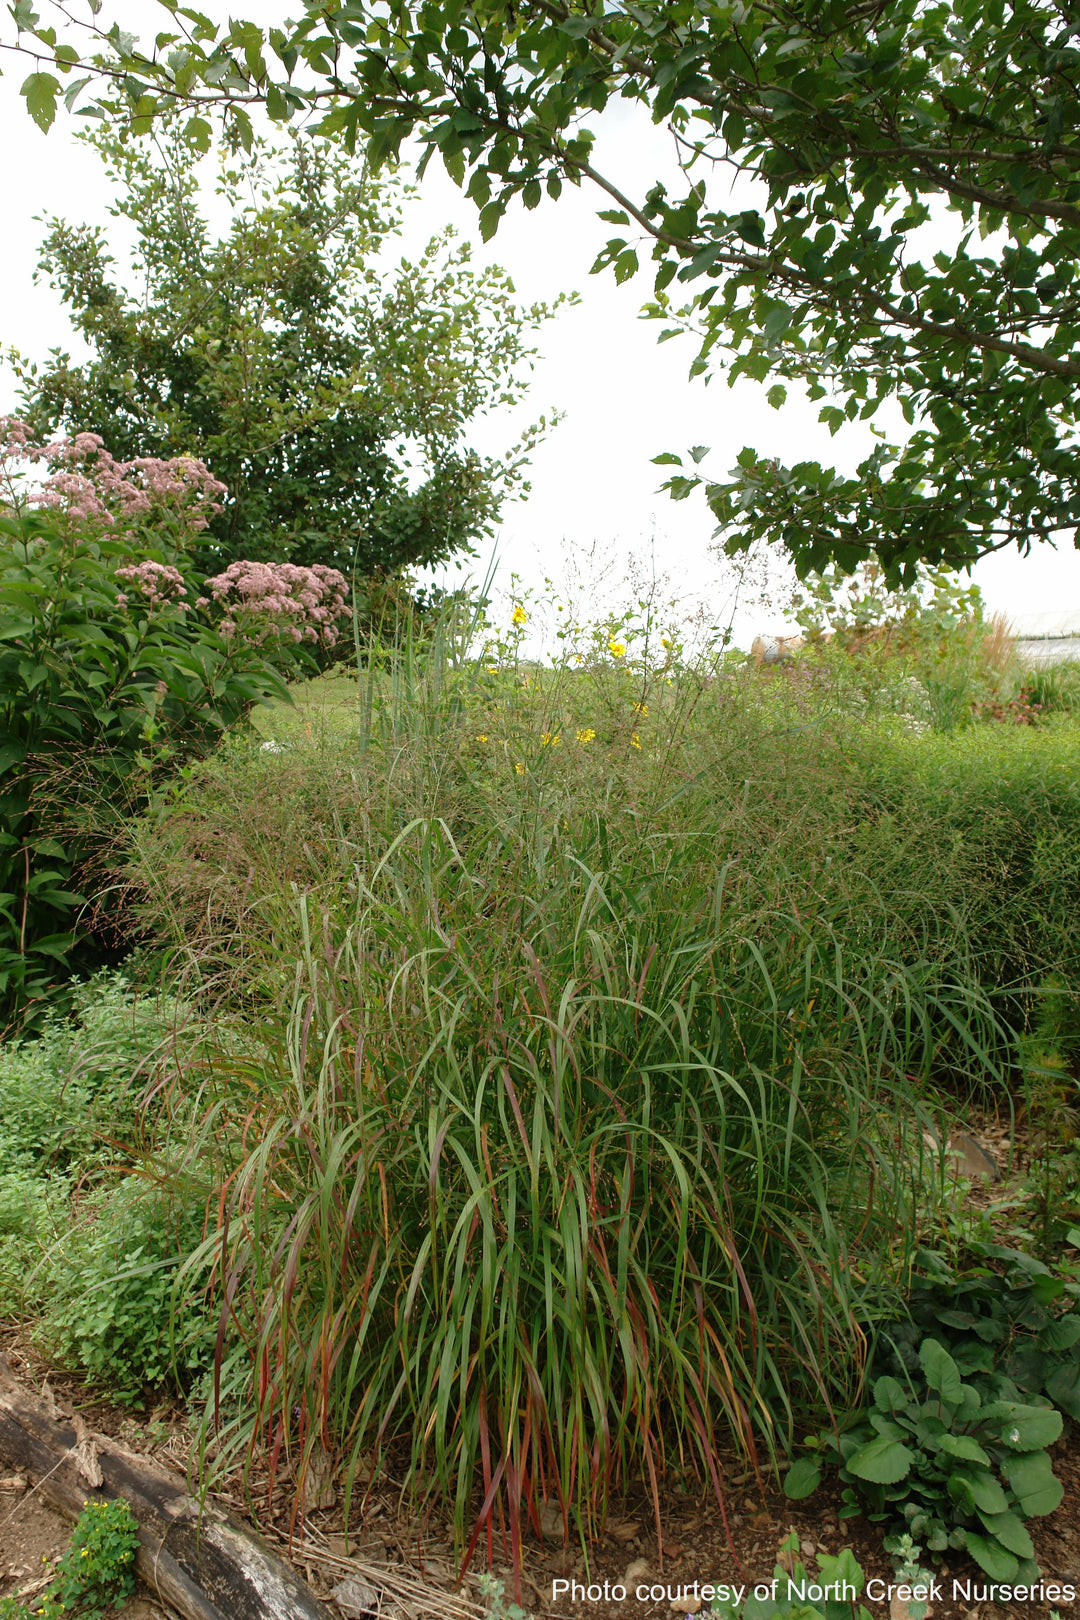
x,y
904,229
331,396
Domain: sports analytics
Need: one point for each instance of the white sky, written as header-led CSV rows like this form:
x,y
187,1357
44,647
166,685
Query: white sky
x,y
624,397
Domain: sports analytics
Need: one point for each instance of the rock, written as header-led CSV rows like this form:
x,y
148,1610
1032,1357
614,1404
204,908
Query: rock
x,y
551,1520
972,1161
355,1597
637,1571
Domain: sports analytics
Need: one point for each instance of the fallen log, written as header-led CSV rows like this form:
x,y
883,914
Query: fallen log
x,y
203,1563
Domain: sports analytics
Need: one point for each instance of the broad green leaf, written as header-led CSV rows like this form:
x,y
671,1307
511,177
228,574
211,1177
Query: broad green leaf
x,y
965,1447
990,1555
1010,1531
1031,1479
802,1479
881,1460
1030,1428
940,1370
40,90
977,1488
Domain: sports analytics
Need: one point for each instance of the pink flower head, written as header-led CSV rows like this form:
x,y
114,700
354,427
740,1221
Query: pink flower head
x,y
280,601
89,488
157,583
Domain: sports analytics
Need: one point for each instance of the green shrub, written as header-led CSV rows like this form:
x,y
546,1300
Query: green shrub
x,y
72,1098
89,1261
109,1304
110,677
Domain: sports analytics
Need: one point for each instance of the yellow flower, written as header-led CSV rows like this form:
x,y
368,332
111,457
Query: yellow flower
x,y
482,737
641,708
635,740
493,669
617,649
550,739
664,642
519,615
586,735
520,769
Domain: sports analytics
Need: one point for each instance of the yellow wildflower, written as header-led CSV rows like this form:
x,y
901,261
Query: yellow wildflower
x,y
520,769
641,708
550,739
482,736
617,649
586,735
493,669
635,740
664,642
519,615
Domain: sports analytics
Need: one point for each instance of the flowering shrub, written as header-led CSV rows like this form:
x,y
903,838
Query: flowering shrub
x,y
90,492
279,602
109,676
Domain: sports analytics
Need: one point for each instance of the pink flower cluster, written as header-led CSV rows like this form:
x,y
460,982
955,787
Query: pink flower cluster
x,y
279,601
87,485
155,582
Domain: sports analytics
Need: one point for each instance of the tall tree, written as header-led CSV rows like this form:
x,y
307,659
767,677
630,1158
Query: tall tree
x,y
852,124
331,396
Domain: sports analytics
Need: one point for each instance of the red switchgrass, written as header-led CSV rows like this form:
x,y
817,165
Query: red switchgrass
x,y
540,1236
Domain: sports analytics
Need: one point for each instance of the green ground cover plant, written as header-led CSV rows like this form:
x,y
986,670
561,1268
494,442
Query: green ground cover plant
x,y
96,1573
93,1229
966,1394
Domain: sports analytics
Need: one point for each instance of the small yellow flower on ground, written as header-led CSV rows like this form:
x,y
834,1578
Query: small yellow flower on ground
x,y
550,739
519,615
641,708
586,735
482,736
617,649
520,769
635,740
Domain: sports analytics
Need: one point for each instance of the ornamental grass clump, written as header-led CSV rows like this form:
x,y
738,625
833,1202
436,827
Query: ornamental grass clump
x,y
585,1141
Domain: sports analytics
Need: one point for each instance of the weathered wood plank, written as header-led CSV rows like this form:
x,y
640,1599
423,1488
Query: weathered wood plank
x,y
207,1567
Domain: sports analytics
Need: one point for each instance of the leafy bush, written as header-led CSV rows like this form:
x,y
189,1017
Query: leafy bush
x,y
933,632
962,1472
90,1261
110,677
952,1446
110,1307
69,1097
